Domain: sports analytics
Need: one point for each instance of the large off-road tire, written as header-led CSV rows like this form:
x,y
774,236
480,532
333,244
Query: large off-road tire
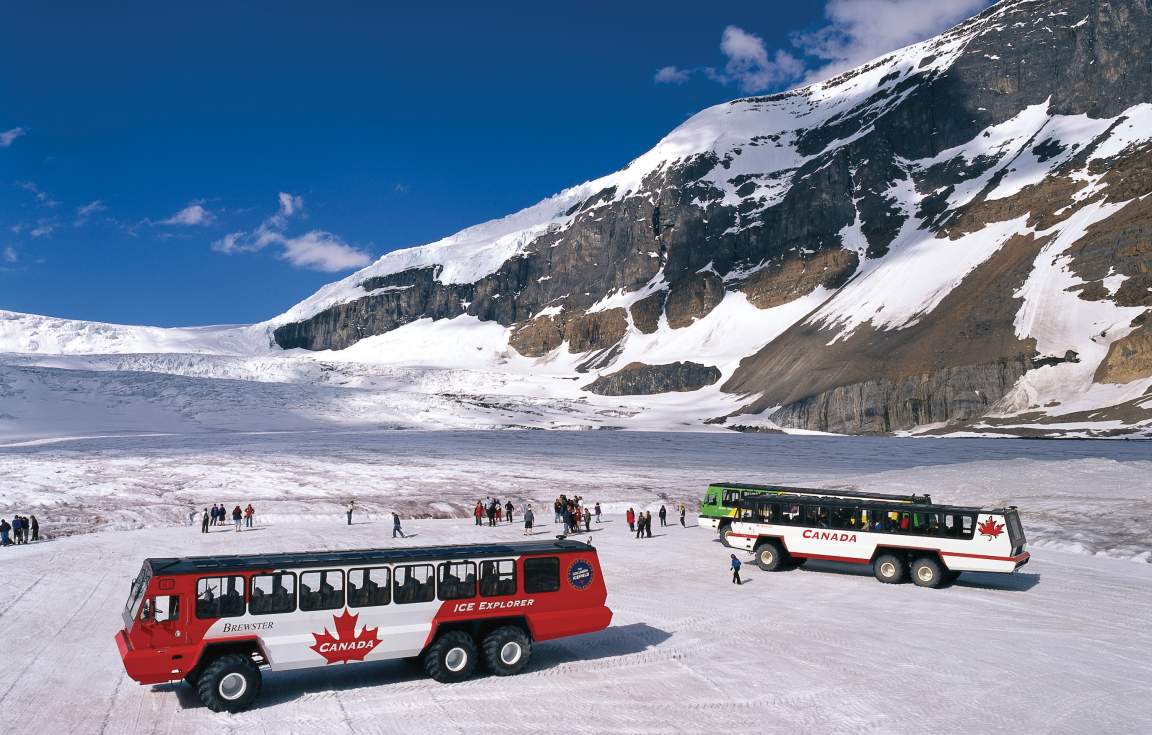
x,y
507,650
771,557
452,658
723,532
229,683
928,572
890,569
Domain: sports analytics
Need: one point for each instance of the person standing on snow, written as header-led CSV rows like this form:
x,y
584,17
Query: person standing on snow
x,y
17,529
479,513
529,517
351,507
248,513
735,570
663,516
396,526
35,529
587,521
508,508
630,516
204,521
597,512
5,527
683,510
648,523
237,517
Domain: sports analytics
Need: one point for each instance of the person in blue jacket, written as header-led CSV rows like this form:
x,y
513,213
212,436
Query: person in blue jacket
x,y
5,527
396,526
735,570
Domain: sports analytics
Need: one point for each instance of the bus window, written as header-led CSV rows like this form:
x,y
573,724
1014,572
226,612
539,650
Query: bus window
x,y
413,583
497,578
219,597
542,574
457,580
369,587
731,498
844,518
322,590
272,593
161,609
816,516
789,514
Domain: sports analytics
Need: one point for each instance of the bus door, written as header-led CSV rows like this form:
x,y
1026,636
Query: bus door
x,y
161,621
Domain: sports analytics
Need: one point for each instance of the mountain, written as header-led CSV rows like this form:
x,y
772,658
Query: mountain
x,y
953,238
957,234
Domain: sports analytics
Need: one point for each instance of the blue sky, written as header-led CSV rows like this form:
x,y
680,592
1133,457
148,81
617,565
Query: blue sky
x,y
213,163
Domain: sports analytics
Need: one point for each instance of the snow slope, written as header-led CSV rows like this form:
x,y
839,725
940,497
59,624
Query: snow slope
x,y
826,649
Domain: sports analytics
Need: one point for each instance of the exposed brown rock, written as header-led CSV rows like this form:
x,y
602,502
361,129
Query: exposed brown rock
x,y
646,312
538,337
1128,359
796,277
692,298
596,331
637,379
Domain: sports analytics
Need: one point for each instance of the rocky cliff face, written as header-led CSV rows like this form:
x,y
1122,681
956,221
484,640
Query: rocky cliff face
x,y
924,240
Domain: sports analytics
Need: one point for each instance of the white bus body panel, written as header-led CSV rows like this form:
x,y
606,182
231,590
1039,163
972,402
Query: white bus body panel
x,y
984,552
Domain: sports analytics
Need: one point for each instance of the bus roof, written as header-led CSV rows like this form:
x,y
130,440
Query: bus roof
x,y
294,560
870,503
914,498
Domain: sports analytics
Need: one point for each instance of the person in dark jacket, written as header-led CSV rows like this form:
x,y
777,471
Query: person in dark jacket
x,y
35,529
587,521
204,521
735,564
648,523
396,526
597,512
508,508
640,524
237,517
663,516
529,517
5,527
683,510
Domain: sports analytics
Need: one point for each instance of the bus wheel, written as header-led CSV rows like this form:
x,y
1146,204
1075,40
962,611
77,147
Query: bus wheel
x,y
506,651
451,658
890,569
770,557
724,531
927,572
229,683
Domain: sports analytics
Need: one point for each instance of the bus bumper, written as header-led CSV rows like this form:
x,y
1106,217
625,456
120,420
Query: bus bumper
x,y
549,625
145,667
713,523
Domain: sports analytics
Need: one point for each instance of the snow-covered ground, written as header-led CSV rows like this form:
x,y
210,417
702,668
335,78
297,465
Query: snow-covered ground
x,y
1061,647
1095,497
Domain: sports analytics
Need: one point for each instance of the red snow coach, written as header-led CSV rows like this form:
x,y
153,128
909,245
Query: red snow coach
x,y
216,621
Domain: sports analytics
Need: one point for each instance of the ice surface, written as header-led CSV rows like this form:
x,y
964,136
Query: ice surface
x,y
1059,647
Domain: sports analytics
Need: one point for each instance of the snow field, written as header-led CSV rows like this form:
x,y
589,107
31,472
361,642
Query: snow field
x,y
1058,648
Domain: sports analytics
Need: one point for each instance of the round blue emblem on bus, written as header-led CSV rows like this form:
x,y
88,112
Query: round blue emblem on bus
x,y
580,574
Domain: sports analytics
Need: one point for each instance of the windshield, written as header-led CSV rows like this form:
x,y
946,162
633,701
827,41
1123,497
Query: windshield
x,y
136,594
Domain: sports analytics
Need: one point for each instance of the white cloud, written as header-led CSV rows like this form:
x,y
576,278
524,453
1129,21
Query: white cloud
x,y
192,215
322,251
44,229
861,30
9,136
83,214
41,196
857,31
672,75
10,255
316,250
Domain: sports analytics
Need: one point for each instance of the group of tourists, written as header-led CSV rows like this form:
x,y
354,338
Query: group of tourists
x,y
218,516
641,523
573,513
496,513
22,530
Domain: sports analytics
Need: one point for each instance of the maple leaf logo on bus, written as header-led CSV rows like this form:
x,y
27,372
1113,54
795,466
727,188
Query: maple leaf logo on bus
x,y
990,528
346,645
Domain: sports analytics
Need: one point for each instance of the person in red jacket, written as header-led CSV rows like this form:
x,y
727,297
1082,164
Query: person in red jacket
x,y
479,513
631,516
248,513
